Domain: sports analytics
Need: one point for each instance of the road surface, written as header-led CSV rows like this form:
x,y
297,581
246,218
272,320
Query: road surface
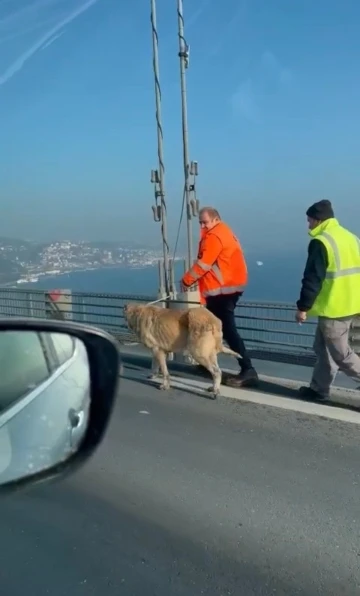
x,y
190,497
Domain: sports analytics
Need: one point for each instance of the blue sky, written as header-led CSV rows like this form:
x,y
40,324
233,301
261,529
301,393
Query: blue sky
x,y
273,99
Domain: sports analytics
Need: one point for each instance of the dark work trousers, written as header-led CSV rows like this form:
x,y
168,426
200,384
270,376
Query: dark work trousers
x,y
223,307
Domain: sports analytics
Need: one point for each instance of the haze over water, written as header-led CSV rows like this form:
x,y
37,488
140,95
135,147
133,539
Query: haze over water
x,y
278,279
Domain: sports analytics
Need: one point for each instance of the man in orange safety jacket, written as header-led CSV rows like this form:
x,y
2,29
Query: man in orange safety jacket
x,y
221,274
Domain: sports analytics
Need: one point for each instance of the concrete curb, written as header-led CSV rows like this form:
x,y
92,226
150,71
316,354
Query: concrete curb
x,y
342,414
270,386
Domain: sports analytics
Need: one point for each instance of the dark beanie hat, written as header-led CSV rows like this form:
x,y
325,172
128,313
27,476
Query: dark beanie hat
x,y
321,210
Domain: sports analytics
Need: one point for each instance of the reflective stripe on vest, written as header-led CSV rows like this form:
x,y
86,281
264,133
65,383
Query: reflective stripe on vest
x,y
205,267
339,271
224,290
215,269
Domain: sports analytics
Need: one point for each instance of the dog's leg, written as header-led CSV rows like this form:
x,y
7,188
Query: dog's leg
x,y
161,358
155,368
216,374
211,364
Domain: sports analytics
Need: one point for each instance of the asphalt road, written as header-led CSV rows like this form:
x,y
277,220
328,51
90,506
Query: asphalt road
x,y
189,497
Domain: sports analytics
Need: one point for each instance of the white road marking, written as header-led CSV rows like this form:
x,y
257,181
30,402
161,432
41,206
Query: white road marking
x,y
257,397
144,412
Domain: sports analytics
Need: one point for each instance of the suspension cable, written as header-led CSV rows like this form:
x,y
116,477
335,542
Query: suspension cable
x,y
158,177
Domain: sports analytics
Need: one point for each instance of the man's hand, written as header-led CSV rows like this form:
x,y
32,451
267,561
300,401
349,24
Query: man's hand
x,y
300,316
183,287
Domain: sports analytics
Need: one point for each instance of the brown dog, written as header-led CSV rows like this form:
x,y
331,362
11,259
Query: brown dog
x,y
196,331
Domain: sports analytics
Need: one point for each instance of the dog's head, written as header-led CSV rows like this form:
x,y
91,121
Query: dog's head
x,y
130,314
126,311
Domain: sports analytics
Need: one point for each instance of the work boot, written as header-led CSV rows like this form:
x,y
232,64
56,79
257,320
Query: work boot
x,y
310,394
246,378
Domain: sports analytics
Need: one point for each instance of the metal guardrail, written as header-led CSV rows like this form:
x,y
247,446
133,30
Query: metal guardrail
x,y
269,329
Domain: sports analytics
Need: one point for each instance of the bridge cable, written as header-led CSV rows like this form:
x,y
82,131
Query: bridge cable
x,y
157,177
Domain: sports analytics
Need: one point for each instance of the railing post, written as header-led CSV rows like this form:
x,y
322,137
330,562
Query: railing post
x,y
162,286
189,299
59,304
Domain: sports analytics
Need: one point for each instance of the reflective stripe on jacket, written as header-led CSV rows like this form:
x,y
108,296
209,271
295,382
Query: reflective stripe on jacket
x,y
220,267
340,291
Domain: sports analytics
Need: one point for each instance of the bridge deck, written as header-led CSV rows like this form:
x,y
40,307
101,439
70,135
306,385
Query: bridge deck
x,y
278,385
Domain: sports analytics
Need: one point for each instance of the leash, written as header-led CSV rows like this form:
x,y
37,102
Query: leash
x,y
159,300
168,297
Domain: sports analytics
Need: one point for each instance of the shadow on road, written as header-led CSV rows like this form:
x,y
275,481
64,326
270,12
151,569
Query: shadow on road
x,y
131,547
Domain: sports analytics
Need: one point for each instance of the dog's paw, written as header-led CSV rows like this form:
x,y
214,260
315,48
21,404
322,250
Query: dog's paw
x,y
164,386
213,393
152,376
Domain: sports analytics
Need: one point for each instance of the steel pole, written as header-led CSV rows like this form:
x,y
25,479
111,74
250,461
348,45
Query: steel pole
x,y
184,59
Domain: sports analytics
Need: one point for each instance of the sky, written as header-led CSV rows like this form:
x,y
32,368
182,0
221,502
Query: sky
x,y
273,113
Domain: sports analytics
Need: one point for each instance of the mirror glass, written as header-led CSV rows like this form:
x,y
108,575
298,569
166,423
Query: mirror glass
x,y
44,400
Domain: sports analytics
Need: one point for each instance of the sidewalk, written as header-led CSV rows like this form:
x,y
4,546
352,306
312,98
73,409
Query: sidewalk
x,y
269,385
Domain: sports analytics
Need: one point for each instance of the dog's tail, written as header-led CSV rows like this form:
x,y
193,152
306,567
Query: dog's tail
x,y
225,350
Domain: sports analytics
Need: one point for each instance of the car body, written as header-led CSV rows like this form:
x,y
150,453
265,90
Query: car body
x,y
44,400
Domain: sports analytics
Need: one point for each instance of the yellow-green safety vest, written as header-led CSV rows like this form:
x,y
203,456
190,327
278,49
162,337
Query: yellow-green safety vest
x,y
340,292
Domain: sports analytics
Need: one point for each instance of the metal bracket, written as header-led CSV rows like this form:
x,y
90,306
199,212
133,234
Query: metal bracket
x,y
195,204
156,209
155,177
185,54
158,193
194,169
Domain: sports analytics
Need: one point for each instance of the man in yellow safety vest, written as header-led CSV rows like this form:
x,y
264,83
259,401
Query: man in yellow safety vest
x,y
330,291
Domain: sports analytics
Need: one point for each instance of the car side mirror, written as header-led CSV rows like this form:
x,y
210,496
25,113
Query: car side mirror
x,y
58,385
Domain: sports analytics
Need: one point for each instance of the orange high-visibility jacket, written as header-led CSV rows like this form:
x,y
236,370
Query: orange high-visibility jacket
x,y
220,267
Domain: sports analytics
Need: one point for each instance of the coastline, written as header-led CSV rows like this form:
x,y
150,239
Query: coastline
x,y
266,284
45,277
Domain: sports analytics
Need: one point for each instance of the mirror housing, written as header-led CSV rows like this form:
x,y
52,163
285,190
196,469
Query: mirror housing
x,y
100,361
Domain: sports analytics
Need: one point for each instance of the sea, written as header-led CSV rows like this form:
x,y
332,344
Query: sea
x,y
276,278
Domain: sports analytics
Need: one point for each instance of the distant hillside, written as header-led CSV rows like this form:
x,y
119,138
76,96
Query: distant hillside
x,y
21,258
11,250
15,256
9,269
